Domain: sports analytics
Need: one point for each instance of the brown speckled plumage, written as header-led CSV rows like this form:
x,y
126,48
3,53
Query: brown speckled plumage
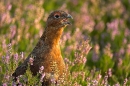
x,y
47,51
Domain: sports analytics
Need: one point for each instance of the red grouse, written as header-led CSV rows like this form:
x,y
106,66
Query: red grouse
x,y
47,52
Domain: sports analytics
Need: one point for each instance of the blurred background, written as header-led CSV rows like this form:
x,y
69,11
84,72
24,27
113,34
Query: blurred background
x,y
105,23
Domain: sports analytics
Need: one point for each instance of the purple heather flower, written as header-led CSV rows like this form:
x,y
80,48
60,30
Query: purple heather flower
x,y
9,48
14,84
7,58
9,6
16,56
68,50
4,44
82,73
74,2
66,60
12,31
106,80
121,51
20,84
99,76
3,17
95,57
125,81
120,61
109,72
84,60
6,76
4,84
114,24
75,74
53,80
127,32
31,61
113,27
94,82
117,84
42,76
41,69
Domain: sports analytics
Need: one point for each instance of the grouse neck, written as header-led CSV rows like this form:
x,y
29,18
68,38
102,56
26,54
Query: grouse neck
x,y
51,36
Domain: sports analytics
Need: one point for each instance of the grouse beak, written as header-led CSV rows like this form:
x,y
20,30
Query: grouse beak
x,y
66,20
69,16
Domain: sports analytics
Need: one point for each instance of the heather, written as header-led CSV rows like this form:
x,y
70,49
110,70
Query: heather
x,y
96,47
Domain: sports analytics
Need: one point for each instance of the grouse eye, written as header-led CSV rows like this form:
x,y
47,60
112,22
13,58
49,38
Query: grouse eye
x,y
57,16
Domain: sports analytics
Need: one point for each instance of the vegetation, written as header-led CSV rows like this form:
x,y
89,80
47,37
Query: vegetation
x,y
96,47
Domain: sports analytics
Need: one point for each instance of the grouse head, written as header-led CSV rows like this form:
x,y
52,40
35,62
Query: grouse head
x,y
58,19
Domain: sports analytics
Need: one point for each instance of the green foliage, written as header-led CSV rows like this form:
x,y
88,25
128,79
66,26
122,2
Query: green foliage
x,y
105,63
32,80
